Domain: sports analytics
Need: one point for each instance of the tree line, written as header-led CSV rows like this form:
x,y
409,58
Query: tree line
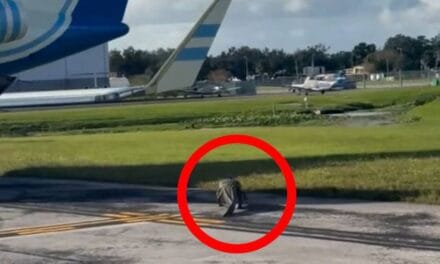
x,y
399,52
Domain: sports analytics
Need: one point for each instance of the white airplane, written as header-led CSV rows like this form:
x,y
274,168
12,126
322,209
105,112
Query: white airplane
x,y
29,39
323,83
207,88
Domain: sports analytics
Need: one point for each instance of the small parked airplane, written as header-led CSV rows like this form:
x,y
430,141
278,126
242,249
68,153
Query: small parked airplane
x,y
323,83
207,88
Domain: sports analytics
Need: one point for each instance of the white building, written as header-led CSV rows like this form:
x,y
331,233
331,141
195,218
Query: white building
x,y
312,70
89,69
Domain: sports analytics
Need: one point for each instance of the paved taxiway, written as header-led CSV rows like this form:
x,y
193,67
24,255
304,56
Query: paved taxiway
x,y
77,222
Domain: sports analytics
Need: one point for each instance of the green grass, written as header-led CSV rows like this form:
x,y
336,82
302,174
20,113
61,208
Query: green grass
x,y
178,115
389,163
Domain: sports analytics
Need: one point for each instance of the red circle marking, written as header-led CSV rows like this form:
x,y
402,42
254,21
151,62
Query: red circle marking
x,y
272,235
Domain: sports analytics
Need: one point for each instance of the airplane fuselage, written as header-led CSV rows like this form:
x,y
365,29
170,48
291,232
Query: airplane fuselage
x,y
41,31
323,83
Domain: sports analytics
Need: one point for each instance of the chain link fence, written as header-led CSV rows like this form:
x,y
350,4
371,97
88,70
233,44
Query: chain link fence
x,y
368,81
398,79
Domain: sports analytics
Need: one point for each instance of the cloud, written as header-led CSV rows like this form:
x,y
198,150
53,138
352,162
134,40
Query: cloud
x,y
141,12
426,12
287,24
295,6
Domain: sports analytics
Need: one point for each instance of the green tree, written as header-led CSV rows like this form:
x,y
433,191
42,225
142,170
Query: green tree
x,y
382,61
361,51
116,62
340,60
412,50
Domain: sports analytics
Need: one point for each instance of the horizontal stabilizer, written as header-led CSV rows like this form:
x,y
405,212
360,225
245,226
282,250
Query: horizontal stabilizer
x,y
100,12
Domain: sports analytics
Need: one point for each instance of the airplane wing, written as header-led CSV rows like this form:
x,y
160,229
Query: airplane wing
x,y
231,89
217,90
297,87
67,97
310,89
183,66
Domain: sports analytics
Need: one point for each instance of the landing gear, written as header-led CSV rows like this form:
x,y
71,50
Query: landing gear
x,y
5,82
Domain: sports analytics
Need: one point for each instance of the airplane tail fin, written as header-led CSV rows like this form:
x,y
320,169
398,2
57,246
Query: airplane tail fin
x,y
183,66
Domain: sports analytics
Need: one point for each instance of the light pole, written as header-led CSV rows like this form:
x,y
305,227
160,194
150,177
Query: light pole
x,y
437,60
297,69
388,66
247,66
401,66
352,61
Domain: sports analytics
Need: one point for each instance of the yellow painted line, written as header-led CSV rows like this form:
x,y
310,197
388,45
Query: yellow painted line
x,y
75,225
137,216
46,231
176,216
209,221
62,227
147,219
85,225
179,222
206,220
117,216
59,227
176,219
52,231
31,229
134,214
97,222
170,221
42,228
114,219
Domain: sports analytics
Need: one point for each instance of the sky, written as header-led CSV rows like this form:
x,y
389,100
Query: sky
x,y
282,24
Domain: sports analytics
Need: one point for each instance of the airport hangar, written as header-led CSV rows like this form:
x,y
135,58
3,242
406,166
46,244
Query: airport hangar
x,y
88,69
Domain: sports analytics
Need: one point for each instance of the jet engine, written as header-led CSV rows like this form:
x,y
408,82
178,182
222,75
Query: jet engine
x,y
13,25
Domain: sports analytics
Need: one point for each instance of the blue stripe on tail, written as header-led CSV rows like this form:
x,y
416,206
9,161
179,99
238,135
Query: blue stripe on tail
x,y
192,54
197,54
207,31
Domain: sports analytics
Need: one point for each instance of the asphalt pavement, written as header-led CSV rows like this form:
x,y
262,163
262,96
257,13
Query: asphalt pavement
x,y
47,221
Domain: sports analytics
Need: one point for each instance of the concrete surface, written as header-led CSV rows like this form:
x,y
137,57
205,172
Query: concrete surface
x,y
43,221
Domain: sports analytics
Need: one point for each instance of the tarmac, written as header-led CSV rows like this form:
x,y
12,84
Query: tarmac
x,y
261,92
48,221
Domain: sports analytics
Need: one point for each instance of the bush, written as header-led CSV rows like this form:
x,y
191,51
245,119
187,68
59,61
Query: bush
x,y
424,99
250,119
347,108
